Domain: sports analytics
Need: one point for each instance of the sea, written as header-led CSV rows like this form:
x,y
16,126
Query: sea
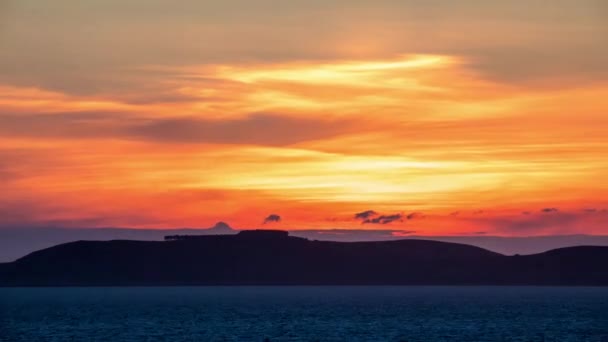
x,y
293,313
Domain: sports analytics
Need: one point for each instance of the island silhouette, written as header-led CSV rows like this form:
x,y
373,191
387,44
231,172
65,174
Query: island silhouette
x,y
273,257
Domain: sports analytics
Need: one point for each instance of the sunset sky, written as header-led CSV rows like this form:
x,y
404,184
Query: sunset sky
x,y
434,117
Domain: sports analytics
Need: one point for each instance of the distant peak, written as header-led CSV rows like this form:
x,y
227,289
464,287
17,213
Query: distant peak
x,y
221,225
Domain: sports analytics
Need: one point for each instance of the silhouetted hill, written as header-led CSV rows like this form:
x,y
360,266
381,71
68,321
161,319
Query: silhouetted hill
x,y
17,242
272,257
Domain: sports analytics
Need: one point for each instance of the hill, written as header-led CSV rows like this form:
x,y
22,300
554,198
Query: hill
x,y
274,258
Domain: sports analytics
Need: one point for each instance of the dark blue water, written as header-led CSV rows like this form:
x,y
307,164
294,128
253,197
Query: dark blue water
x,y
304,314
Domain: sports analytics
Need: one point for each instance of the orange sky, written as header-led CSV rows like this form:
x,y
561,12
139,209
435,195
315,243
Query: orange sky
x,y
183,118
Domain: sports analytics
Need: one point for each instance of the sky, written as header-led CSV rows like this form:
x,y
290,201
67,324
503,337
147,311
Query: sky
x,y
425,117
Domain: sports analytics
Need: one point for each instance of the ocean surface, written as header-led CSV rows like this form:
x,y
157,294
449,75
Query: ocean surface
x,y
304,314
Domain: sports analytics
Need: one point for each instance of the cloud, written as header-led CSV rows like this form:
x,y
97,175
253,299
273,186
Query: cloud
x,y
108,54
372,217
262,129
365,214
549,210
415,215
256,129
384,219
272,218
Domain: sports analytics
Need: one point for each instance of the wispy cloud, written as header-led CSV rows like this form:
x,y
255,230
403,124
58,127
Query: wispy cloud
x,y
365,214
384,219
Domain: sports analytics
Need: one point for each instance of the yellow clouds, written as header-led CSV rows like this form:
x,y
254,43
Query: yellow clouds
x,y
308,139
350,73
338,88
408,88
